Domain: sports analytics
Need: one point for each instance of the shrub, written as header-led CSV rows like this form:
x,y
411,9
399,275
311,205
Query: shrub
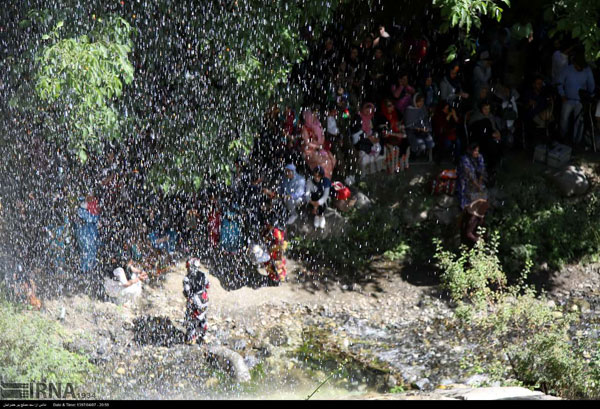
x,y
468,276
31,349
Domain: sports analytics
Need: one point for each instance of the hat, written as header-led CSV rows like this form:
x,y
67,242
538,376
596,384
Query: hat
x,y
478,207
484,56
290,166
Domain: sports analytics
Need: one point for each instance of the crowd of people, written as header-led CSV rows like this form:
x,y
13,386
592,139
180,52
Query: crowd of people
x,y
372,107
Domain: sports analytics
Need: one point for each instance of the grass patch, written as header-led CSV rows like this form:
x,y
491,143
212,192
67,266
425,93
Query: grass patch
x,y
31,349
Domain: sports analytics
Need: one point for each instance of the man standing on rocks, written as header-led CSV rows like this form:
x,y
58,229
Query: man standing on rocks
x,y
195,286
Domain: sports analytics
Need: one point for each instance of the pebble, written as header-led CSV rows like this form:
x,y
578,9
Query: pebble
x,y
121,371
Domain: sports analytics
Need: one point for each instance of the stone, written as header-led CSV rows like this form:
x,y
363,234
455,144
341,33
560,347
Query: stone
x,y
570,181
447,216
496,393
211,382
362,201
237,344
229,361
446,201
121,371
277,336
423,384
477,379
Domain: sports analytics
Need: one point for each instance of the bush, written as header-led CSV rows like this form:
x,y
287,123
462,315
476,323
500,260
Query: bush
x,y
530,332
31,349
468,276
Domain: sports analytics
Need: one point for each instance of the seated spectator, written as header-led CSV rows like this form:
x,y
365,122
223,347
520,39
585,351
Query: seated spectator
x,y
451,88
125,284
161,236
483,130
538,98
313,142
317,189
471,176
402,93
418,127
292,190
366,141
472,218
445,124
477,99
430,91
23,290
394,138
575,77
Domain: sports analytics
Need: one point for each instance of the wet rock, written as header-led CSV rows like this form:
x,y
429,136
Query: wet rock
x,y
570,182
477,379
423,384
362,201
211,382
238,344
495,393
446,201
229,361
251,361
121,371
277,336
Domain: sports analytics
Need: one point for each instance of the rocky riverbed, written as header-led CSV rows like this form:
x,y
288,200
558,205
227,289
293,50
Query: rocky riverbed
x,y
283,342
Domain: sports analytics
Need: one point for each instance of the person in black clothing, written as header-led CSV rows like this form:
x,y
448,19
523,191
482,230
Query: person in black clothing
x,y
318,188
195,286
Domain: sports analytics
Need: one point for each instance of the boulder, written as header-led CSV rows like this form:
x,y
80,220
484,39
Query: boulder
x,y
446,216
362,201
446,201
570,181
230,362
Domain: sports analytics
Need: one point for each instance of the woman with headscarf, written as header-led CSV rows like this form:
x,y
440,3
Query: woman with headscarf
x,y
313,141
418,127
471,176
402,93
450,86
394,138
366,140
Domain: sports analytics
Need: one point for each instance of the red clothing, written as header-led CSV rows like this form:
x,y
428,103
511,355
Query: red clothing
x,y
214,227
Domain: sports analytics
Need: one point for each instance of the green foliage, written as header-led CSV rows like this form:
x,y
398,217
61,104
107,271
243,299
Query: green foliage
x,y
532,333
469,275
464,15
579,19
539,227
81,76
31,349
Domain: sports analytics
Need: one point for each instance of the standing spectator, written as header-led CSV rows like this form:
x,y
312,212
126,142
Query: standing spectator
x,y
418,127
509,111
451,89
560,60
317,189
575,77
274,237
471,176
87,232
482,73
195,290
483,130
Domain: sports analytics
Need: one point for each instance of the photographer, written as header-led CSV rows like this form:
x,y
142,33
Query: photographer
x,y
575,78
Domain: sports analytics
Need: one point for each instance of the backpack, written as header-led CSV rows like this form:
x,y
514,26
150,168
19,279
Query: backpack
x,y
445,182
